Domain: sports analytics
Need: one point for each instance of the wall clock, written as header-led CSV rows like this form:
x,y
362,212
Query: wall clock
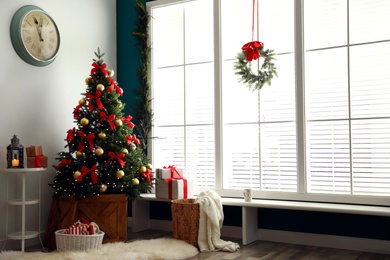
x,y
35,36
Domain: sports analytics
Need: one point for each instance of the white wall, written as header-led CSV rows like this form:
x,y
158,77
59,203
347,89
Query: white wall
x,y
36,103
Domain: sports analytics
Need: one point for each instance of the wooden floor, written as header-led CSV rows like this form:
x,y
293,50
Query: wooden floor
x,y
269,250
263,250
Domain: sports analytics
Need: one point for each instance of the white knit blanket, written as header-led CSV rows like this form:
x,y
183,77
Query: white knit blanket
x,y
210,223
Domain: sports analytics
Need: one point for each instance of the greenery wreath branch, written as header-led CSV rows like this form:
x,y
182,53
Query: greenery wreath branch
x,y
144,112
265,73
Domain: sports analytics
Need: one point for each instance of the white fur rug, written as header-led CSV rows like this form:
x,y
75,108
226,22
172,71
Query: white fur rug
x,y
153,249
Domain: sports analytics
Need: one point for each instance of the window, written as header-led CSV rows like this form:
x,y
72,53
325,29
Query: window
x,y
320,132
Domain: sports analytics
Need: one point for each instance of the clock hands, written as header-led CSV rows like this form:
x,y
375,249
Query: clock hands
x,y
39,27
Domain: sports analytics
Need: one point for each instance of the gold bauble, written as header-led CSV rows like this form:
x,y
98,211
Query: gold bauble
x,y
99,151
133,146
84,121
135,181
76,174
103,188
142,169
82,102
149,166
125,151
120,174
79,154
110,73
118,122
102,135
87,80
100,87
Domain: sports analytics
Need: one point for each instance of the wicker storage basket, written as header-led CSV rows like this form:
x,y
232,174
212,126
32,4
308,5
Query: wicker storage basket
x,y
185,220
78,242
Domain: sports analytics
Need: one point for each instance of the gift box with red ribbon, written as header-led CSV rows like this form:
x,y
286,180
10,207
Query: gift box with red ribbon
x,y
171,184
35,157
174,189
37,161
169,172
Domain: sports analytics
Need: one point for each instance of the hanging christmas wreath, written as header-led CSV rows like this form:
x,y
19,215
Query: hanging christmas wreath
x,y
265,72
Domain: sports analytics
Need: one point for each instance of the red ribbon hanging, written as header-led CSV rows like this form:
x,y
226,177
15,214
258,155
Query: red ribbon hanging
x,y
85,170
102,68
114,85
109,118
90,137
70,135
252,48
97,98
127,121
119,157
64,162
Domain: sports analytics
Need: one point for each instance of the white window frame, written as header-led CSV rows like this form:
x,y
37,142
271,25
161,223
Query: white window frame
x,y
301,194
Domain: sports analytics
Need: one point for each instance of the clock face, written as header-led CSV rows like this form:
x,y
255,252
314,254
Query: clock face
x,y
39,35
34,35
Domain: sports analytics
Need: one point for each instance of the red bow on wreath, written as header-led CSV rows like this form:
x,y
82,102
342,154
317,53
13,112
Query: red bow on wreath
x,y
252,50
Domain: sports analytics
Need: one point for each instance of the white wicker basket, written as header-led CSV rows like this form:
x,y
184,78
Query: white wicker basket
x,y
78,242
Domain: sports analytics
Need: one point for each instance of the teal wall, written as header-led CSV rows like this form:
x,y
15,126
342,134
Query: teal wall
x,y
127,54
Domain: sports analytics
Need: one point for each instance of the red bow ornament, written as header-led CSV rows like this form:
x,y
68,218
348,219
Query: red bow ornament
x,y
63,163
114,85
85,170
109,118
90,137
76,111
252,50
119,157
97,98
148,175
132,138
102,68
70,135
127,121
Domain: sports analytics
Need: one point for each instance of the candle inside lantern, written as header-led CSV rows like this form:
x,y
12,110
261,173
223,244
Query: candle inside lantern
x,y
15,162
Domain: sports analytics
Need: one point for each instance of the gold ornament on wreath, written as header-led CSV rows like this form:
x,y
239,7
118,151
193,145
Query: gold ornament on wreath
x,y
265,72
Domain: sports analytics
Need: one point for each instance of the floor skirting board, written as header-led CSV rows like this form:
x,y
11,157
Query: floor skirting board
x,y
340,242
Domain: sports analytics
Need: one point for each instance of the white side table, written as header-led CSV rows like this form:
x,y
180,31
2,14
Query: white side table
x,y
23,202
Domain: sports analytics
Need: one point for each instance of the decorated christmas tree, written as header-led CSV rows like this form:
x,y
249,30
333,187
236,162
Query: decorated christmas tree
x,y
103,154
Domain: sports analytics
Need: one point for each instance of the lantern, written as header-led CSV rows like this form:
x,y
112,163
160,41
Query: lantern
x,y
15,154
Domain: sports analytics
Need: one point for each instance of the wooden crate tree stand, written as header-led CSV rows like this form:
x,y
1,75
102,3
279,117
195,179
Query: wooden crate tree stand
x,y
108,211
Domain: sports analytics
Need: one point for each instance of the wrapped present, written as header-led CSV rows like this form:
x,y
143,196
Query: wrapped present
x,y
82,227
174,188
169,172
37,161
33,151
